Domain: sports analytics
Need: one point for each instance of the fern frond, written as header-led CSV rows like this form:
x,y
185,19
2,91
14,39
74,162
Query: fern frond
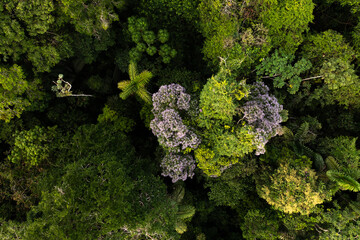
x,y
132,70
319,163
288,134
143,78
144,95
332,164
185,211
352,172
122,85
344,181
308,151
302,132
298,148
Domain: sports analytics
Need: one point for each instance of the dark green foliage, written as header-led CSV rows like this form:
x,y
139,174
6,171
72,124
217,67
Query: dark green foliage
x,y
260,225
147,41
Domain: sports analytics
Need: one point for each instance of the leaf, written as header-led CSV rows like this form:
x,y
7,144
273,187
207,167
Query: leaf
x,y
344,181
144,77
332,164
185,211
122,85
132,71
302,132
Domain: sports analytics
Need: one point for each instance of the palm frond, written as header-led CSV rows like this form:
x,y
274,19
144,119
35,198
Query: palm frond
x,y
344,181
144,95
180,226
185,211
332,164
144,77
132,71
178,193
130,89
122,85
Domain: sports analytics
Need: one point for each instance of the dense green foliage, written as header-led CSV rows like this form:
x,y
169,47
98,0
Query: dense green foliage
x,y
179,119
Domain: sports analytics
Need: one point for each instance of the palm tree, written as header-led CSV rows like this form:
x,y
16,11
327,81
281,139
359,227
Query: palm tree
x,y
136,84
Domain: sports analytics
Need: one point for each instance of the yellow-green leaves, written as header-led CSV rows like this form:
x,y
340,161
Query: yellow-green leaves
x,y
16,93
136,84
293,190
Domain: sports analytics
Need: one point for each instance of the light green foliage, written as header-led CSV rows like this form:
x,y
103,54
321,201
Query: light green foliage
x,y
10,230
343,162
32,147
35,14
42,57
260,225
332,58
91,17
280,67
340,78
338,73
293,190
62,88
225,37
340,223
326,45
346,180
219,99
11,37
147,41
16,94
225,138
286,21
136,84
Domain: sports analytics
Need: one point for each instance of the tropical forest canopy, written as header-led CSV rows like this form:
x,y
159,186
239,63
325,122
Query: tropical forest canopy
x,y
179,119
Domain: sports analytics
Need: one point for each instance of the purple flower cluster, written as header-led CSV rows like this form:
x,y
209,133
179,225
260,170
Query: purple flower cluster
x,y
172,133
170,96
178,167
262,112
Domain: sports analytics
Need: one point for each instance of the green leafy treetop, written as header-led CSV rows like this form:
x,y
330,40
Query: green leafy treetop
x,y
16,94
293,190
136,84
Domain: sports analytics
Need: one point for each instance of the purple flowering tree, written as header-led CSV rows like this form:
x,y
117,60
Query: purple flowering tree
x,y
262,111
173,135
178,167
